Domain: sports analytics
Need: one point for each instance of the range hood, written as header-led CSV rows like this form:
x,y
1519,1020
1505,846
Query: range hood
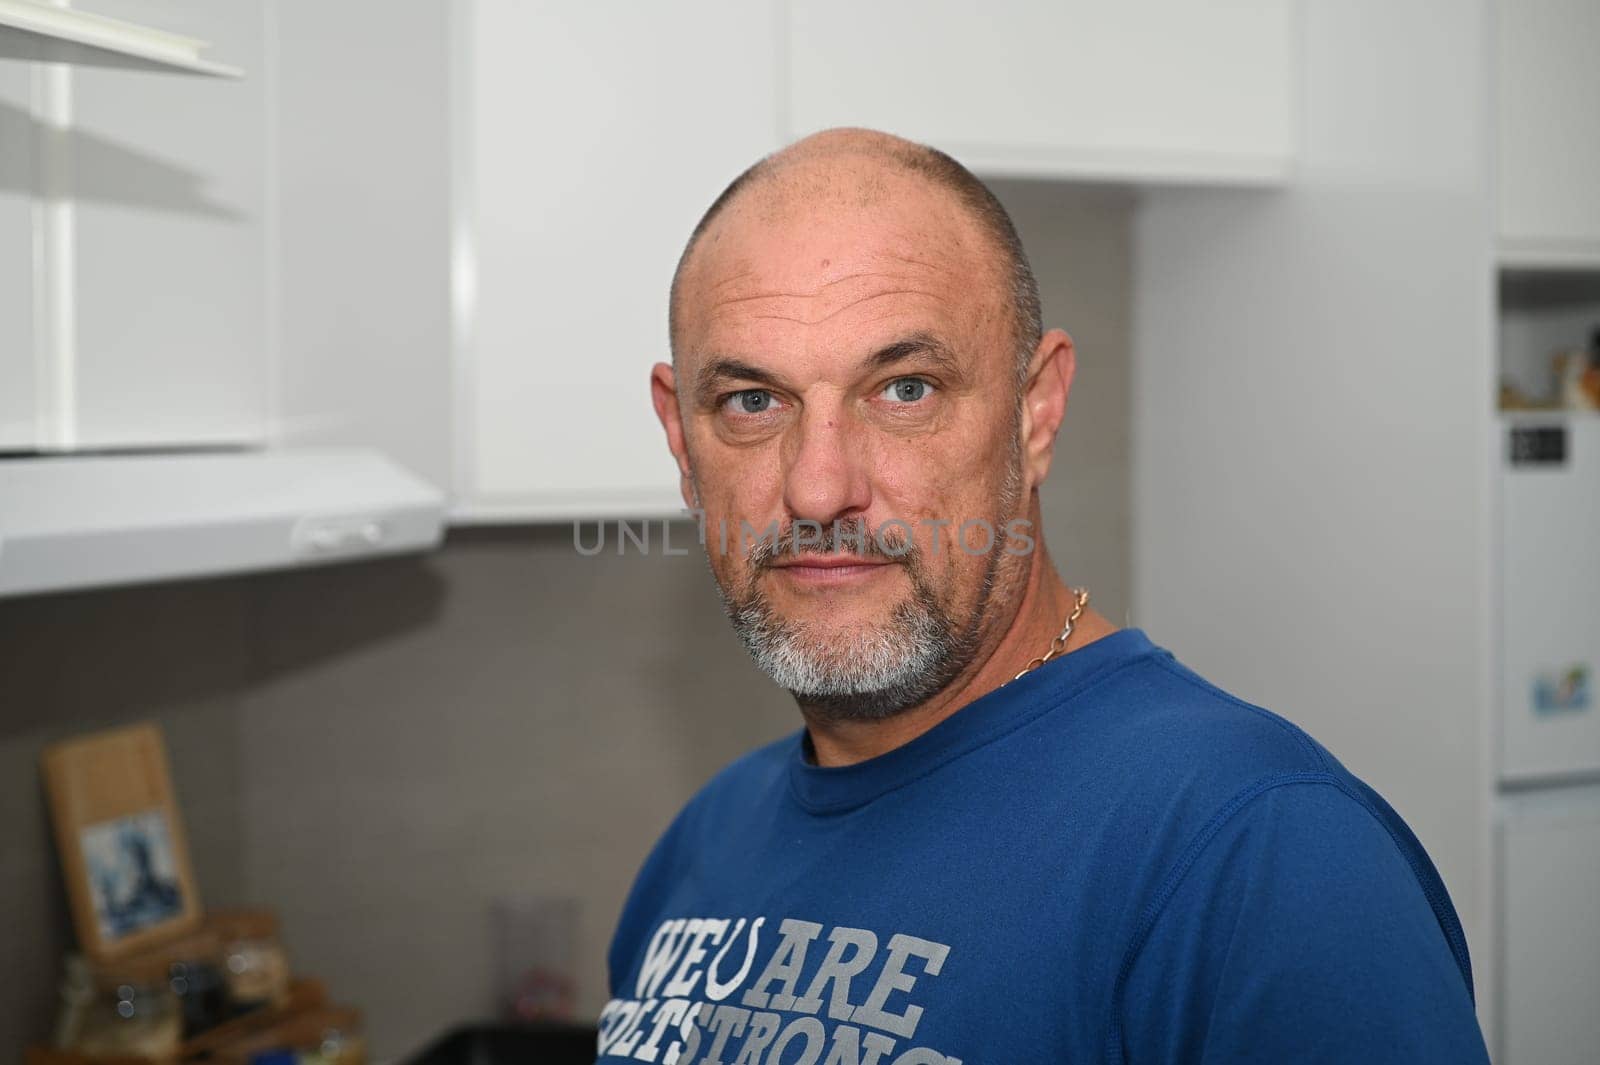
x,y
81,521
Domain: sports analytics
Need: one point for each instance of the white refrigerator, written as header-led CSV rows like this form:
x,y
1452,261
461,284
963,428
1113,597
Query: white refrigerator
x,y
1548,750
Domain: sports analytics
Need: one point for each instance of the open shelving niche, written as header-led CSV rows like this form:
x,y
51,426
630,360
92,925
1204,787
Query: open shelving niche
x,y
1544,310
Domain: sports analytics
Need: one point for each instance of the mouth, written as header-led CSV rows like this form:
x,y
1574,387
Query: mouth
x,y
832,569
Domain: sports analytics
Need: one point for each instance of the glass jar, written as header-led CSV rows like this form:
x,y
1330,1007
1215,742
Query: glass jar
x,y
254,963
256,973
131,1020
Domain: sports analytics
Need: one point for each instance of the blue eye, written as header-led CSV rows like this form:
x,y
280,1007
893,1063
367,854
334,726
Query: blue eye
x,y
751,401
907,390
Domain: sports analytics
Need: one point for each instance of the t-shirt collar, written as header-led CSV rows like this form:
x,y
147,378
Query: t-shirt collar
x,y
836,789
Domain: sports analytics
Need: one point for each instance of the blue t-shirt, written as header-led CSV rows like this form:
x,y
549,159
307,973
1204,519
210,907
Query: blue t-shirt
x,y
1108,860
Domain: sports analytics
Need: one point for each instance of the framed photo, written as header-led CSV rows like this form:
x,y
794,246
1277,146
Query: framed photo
x,y
123,852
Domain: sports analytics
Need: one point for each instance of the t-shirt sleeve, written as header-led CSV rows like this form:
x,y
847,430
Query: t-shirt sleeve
x,y
1299,932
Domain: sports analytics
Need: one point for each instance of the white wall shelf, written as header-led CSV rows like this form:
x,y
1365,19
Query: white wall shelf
x,y
45,33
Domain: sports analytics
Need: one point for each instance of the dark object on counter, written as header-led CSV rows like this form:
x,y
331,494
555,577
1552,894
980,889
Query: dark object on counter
x,y
547,1043
202,992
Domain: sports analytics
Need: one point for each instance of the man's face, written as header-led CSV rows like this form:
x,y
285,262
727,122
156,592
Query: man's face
x,y
848,362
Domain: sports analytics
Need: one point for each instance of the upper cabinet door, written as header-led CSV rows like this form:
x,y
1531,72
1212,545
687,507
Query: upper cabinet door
x,y
1138,90
168,247
1548,135
589,146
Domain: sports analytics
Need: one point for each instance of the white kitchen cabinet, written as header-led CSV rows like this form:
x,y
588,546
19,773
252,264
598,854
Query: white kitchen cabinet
x,y
1548,132
361,145
133,246
17,400
1550,875
588,145
168,178
1143,90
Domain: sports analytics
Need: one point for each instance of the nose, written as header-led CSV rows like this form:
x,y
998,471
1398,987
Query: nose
x,y
826,475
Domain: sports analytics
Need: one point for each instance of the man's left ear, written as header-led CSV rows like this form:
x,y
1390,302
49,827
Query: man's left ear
x,y
1044,403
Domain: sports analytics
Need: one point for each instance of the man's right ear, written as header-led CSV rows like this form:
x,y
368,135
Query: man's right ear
x,y
664,395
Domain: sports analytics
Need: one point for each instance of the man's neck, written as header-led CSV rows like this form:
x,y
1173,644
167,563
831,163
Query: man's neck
x,y
1046,603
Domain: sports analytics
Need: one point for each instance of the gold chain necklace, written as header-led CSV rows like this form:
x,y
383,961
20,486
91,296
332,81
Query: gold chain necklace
x,y
1059,644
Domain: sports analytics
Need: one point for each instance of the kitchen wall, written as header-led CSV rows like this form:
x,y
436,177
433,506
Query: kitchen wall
x,y
381,750
1314,428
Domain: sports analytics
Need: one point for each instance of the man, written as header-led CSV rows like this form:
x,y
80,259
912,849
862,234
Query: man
x,y
1009,832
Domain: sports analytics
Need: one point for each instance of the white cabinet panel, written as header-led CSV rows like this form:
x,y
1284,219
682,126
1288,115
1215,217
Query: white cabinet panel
x,y
1550,850
1548,131
1549,624
169,175
1144,89
592,143
17,424
362,146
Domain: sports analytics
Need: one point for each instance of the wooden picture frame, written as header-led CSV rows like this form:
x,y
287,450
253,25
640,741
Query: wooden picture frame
x,y
124,855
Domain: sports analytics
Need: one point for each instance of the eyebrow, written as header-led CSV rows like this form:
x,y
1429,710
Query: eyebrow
x,y
923,348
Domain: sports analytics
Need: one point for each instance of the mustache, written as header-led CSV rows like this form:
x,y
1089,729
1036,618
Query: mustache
x,y
843,536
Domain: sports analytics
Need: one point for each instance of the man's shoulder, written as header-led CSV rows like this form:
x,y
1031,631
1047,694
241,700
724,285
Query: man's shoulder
x,y
1174,754
1221,779
1163,721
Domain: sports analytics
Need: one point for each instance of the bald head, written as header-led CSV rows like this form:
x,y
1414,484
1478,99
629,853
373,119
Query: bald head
x,y
858,168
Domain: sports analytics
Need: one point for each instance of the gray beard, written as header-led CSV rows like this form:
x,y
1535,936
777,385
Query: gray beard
x,y
866,673
863,675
